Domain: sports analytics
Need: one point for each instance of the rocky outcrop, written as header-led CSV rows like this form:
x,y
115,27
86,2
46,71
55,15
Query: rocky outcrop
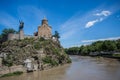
x,y
43,53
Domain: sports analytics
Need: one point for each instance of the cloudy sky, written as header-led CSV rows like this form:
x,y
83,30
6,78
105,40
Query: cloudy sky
x,y
79,22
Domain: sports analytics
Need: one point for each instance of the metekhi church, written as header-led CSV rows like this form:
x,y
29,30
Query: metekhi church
x,y
44,31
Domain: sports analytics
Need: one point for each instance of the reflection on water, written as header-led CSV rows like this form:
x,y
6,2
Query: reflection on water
x,y
81,68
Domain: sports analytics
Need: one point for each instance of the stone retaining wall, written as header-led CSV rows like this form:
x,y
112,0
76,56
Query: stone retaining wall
x,y
5,70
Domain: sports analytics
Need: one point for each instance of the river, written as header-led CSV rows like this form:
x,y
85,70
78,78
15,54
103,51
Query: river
x,y
81,68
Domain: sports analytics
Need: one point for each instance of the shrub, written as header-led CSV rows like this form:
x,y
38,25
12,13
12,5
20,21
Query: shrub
x,y
116,55
8,61
49,60
69,60
41,39
12,74
17,72
56,51
37,45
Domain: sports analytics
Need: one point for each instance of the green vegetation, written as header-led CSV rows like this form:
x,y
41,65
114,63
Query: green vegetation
x,y
56,35
40,50
12,74
96,48
37,45
69,60
19,50
49,60
56,51
116,55
5,32
8,61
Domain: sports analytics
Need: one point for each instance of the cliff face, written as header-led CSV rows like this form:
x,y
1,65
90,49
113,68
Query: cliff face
x,y
40,51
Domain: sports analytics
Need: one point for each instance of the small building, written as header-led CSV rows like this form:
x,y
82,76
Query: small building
x,y
28,64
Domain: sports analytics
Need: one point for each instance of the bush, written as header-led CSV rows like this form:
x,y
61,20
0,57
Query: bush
x,y
8,61
37,45
17,72
69,60
55,51
116,55
41,39
49,60
12,74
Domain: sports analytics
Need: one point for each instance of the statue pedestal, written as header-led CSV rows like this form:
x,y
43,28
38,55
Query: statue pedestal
x,y
21,34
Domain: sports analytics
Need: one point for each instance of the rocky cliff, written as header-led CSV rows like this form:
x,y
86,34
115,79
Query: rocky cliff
x,y
44,53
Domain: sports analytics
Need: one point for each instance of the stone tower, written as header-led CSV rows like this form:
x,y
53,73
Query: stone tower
x,y
21,32
44,30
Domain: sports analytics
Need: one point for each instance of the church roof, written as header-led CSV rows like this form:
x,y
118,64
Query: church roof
x,y
44,18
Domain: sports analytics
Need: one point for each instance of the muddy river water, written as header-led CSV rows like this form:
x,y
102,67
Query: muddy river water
x,y
81,68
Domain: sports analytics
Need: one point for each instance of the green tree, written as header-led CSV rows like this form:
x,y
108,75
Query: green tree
x,y
118,45
109,46
56,34
8,61
85,51
73,50
5,32
97,46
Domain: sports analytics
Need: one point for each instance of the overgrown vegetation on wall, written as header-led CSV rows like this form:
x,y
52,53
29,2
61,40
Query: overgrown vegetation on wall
x,y
4,34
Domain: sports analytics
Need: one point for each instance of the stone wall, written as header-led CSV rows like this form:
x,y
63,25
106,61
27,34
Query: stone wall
x,y
21,34
44,31
12,36
28,36
5,70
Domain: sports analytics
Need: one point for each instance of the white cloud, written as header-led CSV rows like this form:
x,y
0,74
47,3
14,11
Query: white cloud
x,y
101,19
103,13
74,25
111,38
87,42
91,23
78,22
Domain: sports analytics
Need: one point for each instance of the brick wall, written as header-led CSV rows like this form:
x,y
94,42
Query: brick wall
x,y
44,31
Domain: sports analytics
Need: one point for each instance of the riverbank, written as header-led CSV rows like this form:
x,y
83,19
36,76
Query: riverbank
x,y
18,73
12,74
81,68
113,56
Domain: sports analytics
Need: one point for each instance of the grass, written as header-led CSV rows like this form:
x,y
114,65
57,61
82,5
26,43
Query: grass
x,y
116,55
12,74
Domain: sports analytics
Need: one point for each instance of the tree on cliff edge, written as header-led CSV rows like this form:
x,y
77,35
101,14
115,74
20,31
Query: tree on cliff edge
x,y
56,35
5,32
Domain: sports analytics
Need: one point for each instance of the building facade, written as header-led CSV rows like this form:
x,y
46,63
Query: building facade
x,y
44,30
